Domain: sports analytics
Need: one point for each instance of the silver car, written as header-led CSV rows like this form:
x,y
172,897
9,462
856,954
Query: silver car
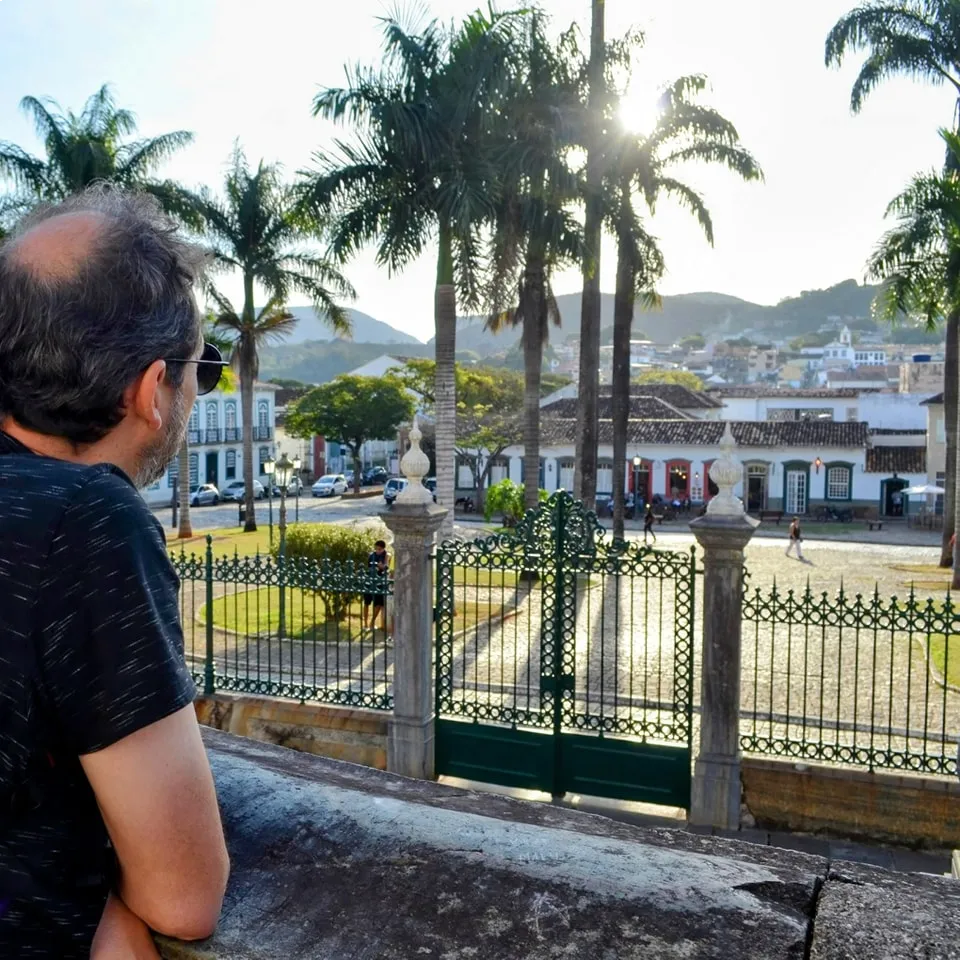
x,y
204,495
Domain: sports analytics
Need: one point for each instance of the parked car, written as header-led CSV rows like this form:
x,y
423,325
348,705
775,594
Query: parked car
x,y
235,491
392,488
294,487
394,485
204,495
375,476
330,485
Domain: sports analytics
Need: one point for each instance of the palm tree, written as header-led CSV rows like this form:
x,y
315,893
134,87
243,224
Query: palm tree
x,y
420,169
918,262
256,229
534,231
585,473
227,382
921,39
643,166
88,147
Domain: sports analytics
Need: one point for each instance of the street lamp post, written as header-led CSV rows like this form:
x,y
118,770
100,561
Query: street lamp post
x,y
297,464
284,472
269,466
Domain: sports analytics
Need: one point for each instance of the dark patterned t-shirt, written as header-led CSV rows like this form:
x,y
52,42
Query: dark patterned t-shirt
x,y
91,651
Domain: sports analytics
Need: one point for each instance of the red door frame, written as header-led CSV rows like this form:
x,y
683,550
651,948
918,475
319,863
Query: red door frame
x,y
707,464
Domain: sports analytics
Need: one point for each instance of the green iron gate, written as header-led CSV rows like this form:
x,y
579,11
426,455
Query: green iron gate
x,y
565,661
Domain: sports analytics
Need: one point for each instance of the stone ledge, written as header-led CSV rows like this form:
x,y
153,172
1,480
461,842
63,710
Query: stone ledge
x,y
336,861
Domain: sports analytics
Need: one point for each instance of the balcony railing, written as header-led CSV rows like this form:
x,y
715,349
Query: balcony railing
x,y
226,435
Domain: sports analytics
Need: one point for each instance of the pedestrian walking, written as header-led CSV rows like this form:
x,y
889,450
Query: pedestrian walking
x,y
648,519
795,538
379,564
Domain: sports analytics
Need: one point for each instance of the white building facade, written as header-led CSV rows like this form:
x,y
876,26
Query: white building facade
x,y
215,439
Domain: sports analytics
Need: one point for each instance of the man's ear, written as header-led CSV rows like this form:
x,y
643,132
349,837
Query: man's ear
x,y
144,397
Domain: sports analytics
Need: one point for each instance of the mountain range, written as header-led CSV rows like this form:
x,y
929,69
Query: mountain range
x,y
312,353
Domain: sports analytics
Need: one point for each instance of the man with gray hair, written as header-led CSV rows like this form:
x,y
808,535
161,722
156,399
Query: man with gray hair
x,y
110,827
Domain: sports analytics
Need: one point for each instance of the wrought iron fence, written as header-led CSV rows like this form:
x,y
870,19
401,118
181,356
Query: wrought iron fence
x,y
288,628
868,681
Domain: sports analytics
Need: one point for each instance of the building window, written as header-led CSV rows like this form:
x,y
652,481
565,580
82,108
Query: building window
x,y
173,471
213,416
230,414
565,481
755,487
231,469
852,414
264,455
263,414
194,469
814,413
838,483
194,424
605,477
499,470
464,474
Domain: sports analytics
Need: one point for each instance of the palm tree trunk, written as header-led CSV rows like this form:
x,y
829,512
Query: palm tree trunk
x,y
185,527
951,410
247,357
445,384
534,314
622,322
585,476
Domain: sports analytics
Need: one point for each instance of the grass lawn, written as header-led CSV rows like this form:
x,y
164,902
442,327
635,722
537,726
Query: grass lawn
x,y
929,576
256,612
225,541
950,670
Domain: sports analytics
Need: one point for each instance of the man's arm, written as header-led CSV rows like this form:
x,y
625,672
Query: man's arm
x,y
157,798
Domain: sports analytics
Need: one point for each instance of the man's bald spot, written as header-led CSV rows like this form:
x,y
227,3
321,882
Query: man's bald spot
x,y
53,249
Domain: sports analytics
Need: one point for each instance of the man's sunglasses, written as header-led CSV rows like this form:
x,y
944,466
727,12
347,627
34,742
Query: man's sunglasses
x,y
210,366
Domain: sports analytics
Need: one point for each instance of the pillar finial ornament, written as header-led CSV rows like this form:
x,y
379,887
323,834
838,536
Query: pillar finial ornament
x,y
415,465
726,472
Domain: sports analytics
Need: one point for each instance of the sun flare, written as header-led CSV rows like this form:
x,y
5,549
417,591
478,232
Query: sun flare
x,y
638,111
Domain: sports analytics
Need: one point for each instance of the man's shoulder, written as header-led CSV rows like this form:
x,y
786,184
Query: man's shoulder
x,y
106,504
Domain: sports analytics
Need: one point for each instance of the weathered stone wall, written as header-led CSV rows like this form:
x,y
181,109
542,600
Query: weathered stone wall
x,y
910,810
341,733
336,861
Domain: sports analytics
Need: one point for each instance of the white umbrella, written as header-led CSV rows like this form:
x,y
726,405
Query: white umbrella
x,y
924,490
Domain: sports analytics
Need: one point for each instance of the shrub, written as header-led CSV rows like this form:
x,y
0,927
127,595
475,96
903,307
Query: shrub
x,y
506,498
344,547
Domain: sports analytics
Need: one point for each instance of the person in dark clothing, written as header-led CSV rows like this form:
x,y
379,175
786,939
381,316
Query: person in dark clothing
x,y
110,827
648,521
378,563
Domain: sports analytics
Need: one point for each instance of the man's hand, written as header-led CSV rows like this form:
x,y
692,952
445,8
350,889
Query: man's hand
x,y
122,935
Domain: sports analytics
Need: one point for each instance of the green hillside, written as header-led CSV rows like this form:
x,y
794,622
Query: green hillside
x,y
318,361
705,312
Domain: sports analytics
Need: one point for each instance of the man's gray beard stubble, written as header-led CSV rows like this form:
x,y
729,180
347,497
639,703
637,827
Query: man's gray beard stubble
x,y
153,460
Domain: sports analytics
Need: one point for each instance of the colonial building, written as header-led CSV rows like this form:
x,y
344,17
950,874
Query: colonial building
x,y
215,438
801,450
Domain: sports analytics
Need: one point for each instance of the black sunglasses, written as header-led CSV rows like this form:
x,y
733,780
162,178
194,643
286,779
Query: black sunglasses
x,y
210,366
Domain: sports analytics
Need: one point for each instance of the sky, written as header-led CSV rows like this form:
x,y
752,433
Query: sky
x,y
235,70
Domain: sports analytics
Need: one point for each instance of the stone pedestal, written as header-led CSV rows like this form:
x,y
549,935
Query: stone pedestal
x,y
411,727
716,781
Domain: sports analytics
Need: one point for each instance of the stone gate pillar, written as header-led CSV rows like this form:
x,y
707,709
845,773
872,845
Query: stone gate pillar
x,y
413,520
723,533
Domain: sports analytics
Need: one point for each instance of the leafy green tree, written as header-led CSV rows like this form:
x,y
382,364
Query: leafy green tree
x,y
534,231
420,169
488,420
919,262
507,499
82,149
916,39
256,229
351,410
696,341
683,378
644,167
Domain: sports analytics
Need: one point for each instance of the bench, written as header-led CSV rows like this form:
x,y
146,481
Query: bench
x,y
874,523
776,515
